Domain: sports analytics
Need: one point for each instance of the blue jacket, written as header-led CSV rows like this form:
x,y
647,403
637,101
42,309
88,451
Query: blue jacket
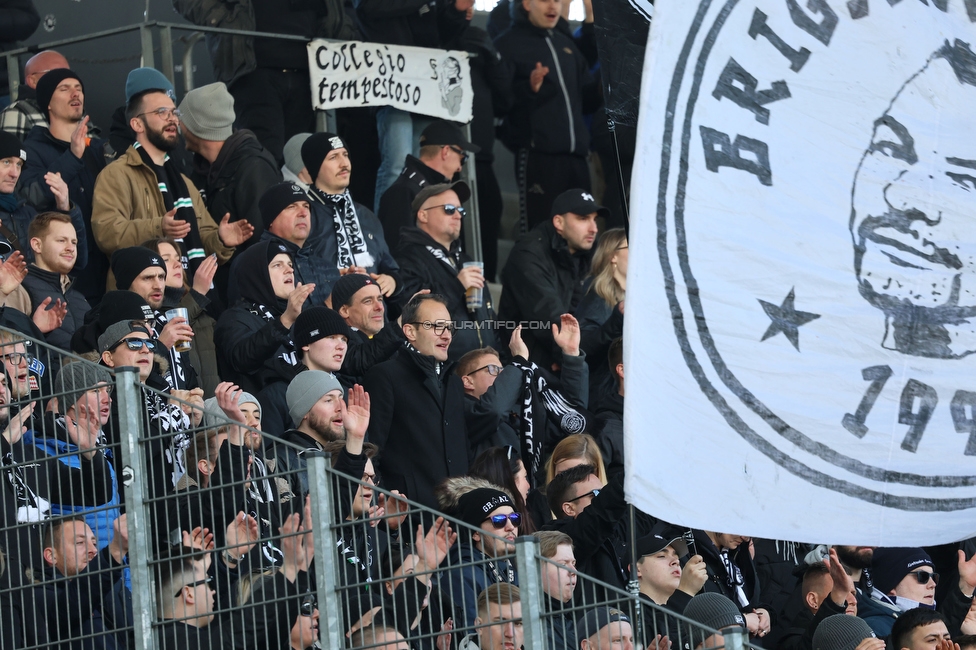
x,y
464,583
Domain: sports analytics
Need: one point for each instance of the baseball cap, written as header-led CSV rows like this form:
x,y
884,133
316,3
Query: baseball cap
x,y
443,133
578,201
460,188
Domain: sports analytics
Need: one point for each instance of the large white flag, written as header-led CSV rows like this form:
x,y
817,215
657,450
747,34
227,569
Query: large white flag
x,y
801,309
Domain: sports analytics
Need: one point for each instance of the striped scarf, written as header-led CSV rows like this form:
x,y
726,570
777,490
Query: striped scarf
x,y
176,194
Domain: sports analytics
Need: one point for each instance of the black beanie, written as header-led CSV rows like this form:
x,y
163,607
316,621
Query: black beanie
x,y
10,146
115,306
278,197
347,286
477,505
316,148
128,263
317,323
890,565
47,84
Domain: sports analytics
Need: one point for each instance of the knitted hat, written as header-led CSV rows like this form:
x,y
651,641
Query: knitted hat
x,y
597,619
208,112
114,307
128,263
348,286
214,416
278,197
841,632
75,379
714,611
307,388
317,323
316,148
10,146
118,331
293,152
141,80
891,565
477,505
47,84
460,188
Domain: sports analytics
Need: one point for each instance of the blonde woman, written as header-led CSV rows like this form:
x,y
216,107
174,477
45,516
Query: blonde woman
x,y
601,312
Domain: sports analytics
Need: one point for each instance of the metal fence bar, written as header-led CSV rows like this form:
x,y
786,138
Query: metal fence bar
x,y
134,479
145,34
530,586
13,76
735,638
166,52
326,571
188,61
472,233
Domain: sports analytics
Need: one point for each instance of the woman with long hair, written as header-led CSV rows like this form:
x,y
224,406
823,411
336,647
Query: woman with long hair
x,y
503,466
601,311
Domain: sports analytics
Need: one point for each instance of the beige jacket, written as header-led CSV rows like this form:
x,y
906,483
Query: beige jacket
x,y
128,209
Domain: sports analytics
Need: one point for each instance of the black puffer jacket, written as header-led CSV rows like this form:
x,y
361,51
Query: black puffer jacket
x,y
543,281
41,284
423,269
417,419
550,120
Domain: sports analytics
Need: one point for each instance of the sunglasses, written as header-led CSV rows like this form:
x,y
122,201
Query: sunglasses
x,y
460,152
591,493
923,576
136,344
205,581
492,369
498,521
449,209
309,605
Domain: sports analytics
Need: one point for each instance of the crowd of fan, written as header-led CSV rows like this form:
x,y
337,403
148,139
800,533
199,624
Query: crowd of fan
x,y
257,304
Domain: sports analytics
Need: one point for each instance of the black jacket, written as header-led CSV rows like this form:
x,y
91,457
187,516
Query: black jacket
x,y
364,352
245,340
421,23
550,120
41,284
543,281
394,211
719,580
600,324
236,180
608,428
423,269
417,419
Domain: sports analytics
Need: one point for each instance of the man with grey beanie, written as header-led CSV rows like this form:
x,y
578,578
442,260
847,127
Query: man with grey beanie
x,y
233,169
715,612
320,415
843,632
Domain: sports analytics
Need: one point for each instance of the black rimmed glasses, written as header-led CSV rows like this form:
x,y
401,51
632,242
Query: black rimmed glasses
x,y
492,369
17,358
459,151
439,327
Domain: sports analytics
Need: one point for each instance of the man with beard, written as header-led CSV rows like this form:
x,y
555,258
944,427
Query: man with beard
x,y
143,196
315,402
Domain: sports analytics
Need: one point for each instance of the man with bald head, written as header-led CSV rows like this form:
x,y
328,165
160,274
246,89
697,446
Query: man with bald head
x,y
430,257
24,114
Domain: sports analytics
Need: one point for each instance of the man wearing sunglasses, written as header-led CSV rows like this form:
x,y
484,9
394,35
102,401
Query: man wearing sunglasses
x,y
483,557
430,257
443,152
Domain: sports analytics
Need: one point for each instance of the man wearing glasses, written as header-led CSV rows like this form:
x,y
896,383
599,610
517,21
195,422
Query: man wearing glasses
x,y
430,257
443,152
417,405
143,195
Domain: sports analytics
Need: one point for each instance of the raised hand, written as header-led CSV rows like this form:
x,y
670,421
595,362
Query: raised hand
x,y
517,346
386,282
12,272
432,548
694,575
79,138
567,335
355,419
395,506
234,234
59,189
296,299
48,316
537,76
242,534
173,227
204,275
176,330
843,583
17,426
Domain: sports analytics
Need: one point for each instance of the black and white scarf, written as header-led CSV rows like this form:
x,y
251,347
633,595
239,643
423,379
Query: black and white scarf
x,y
288,349
177,195
555,406
350,242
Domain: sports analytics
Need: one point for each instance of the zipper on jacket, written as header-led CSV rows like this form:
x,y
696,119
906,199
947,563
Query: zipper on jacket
x,y
562,85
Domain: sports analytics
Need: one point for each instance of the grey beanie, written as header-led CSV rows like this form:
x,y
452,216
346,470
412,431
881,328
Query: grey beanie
x,y
214,416
208,112
75,379
841,632
714,611
293,152
307,388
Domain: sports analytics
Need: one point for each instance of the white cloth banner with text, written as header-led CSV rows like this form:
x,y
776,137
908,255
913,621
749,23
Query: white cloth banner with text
x,y
416,79
801,299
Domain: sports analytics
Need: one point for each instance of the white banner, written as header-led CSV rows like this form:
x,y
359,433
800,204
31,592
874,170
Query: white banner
x,y
801,309
416,79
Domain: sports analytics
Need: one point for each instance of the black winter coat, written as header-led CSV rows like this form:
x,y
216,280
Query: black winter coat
x,y
421,269
417,419
550,120
719,580
394,211
245,341
41,284
364,352
600,324
543,281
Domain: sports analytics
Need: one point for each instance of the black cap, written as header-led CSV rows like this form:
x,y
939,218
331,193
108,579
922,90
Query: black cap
x,y
47,84
578,201
597,619
10,146
443,133
651,544
128,263
278,197
460,188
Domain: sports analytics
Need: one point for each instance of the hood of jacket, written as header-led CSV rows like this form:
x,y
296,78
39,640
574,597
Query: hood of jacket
x,y
254,277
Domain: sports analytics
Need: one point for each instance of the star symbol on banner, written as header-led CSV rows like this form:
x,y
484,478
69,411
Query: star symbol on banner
x,y
786,319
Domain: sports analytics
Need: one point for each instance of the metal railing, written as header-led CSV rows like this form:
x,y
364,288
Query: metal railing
x,y
144,523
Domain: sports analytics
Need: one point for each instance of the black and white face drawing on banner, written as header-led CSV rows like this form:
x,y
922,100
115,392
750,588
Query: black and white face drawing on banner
x,y
913,208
